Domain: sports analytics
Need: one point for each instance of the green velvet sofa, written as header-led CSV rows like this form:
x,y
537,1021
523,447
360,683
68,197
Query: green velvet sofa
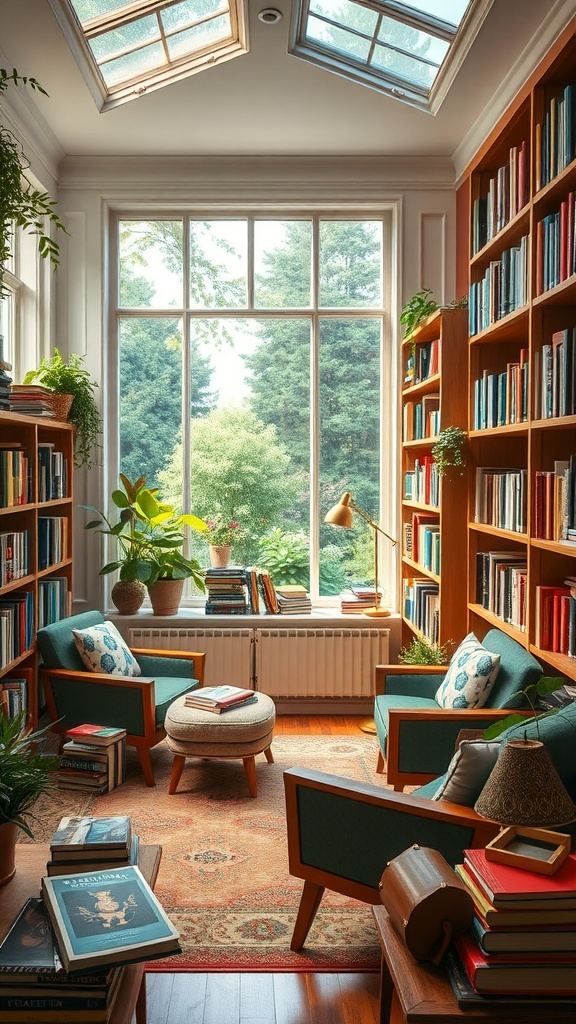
x,y
416,737
135,703
341,834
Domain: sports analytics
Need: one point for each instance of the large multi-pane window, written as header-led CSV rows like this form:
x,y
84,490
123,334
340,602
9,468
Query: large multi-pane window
x,y
252,363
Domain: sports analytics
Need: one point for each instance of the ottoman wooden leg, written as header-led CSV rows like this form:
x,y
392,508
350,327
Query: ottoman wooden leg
x,y
177,768
269,755
250,772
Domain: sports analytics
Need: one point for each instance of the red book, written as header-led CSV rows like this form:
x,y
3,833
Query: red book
x,y
527,974
505,885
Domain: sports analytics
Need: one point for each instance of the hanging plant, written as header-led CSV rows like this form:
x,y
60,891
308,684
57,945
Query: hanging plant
x,y
448,449
416,310
21,204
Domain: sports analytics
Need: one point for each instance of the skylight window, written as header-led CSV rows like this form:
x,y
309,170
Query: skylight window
x,y
403,49
127,48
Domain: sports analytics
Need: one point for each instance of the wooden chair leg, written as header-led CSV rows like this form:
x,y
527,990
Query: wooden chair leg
x,y
177,769
146,765
381,763
269,755
250,773
309,902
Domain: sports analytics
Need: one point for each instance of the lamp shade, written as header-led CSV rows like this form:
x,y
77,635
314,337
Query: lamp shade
x,y
524,788
340,514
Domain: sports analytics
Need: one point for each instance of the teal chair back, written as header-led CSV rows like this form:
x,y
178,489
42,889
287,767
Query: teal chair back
x,y
518,669
56,642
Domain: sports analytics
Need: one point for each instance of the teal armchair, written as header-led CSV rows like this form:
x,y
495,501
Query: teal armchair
x,y
341,834
416,737
135,703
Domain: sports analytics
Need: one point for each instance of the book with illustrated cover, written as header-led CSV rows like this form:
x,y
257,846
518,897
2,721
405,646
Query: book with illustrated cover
x,y
505,885
89,833
107,918
100,735
218,696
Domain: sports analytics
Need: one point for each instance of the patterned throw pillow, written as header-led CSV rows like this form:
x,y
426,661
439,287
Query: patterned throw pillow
x,y
103,649
470,676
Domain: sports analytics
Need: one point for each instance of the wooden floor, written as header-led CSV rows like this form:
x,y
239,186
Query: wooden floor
x,y
304,998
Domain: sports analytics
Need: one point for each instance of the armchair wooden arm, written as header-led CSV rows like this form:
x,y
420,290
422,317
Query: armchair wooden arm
x,y
341,835
197,657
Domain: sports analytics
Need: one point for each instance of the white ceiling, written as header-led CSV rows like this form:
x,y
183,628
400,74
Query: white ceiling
x,y
266,102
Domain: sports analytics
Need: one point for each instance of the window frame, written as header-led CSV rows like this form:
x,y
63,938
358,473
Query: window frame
x,y
386,212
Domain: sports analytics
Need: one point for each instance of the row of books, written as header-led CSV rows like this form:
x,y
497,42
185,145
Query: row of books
x,y
523,937
52,540
14,694
554,504
421,419
500,498
5,386
506,195
422,483
555,625
52,472
502,398
15,475
53,600
555,376
219,699
501,585
14,556
555,249
16,625
422,541
555,137
502,288
243,591
422,362
93,759
421,604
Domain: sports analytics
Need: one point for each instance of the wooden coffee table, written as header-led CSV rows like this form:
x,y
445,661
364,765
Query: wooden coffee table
x,y
416,990
30,867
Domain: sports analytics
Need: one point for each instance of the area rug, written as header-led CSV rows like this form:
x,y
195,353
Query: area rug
x,y
223,878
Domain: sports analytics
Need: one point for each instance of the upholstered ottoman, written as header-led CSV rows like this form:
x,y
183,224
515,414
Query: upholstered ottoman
x,y
242,732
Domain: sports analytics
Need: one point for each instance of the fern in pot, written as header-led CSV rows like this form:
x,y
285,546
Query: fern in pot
x,y
72,379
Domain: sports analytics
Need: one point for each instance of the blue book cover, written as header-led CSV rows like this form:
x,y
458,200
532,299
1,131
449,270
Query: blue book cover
x,y
104,918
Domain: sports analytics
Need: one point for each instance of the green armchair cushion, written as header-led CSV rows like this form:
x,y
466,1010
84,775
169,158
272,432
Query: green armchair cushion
x,y
56,642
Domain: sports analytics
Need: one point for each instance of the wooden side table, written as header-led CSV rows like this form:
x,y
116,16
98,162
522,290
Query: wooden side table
x,y
416,990
30,867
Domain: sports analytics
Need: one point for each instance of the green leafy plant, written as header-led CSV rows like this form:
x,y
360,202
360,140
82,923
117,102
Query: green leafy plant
x,y
415,311
286,556
149,536
422,652
544,686
449,449
25,770
21,204
70,378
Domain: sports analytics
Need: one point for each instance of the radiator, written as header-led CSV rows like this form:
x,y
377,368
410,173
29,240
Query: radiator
x,y
229,652
281,662
319,662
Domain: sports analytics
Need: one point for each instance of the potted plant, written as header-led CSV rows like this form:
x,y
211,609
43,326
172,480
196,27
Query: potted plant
x,y
70,378
422,651
221,535
20,203
25,773
150,544
448,449
415,311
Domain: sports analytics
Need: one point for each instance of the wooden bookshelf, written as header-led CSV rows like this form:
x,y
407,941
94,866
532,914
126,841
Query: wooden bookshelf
x,y
37,587
531,322
434,363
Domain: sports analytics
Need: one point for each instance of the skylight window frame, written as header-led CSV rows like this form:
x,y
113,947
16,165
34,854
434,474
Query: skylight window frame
x,y
107,96
388,83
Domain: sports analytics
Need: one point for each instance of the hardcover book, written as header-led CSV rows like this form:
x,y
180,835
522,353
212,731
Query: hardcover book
x,y
107,918
468,997
513,917
89,833
516,976
505,885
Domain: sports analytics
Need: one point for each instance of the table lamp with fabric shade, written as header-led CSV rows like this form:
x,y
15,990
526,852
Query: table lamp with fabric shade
x,y
341,515
524,788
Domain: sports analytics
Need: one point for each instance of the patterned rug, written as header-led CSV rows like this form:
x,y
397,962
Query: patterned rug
x,y
224,877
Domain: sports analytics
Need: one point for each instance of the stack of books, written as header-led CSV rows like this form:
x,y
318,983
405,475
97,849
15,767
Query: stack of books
x,y
93,758
218,699
92,844
522,942
293,599
356,600
31,400
227,591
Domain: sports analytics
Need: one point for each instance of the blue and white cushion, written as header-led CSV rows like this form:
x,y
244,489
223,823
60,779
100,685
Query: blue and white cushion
x,y
470,676
103,649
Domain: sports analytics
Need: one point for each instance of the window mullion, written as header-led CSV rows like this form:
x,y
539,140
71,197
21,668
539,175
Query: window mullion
x,y
315,417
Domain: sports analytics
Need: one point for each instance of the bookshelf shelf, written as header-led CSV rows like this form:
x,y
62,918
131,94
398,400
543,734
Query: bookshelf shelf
x,y
43,455
541,449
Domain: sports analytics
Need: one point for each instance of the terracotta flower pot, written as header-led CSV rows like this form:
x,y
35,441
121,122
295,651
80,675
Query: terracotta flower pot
x,y
128,596
220,555
165,596
7,851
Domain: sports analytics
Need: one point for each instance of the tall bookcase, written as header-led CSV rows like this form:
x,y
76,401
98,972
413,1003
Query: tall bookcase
x,y
518,201
434,363
36,460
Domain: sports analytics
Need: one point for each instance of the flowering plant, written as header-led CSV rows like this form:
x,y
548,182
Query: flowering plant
x,y
221,533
